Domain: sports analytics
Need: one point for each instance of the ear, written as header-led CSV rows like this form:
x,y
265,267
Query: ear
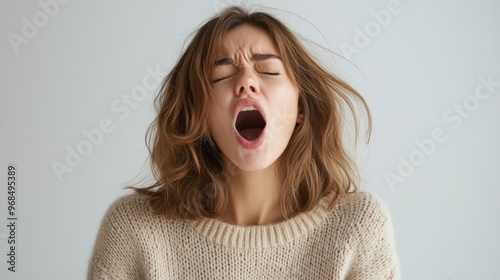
x,y
300,116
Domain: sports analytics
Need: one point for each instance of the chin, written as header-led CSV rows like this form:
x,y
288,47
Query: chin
x,y
255,168
253,163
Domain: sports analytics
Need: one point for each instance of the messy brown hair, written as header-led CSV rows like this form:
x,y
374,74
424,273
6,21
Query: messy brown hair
x,y
190,178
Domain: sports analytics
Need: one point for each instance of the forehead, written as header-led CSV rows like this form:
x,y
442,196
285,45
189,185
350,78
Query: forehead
x,y
246,39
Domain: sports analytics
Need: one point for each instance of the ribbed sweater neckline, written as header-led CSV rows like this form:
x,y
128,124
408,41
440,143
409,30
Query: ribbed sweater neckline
x,y
261,236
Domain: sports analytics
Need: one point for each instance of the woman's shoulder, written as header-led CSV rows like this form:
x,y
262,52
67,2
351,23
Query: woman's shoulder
x,y
128,208
130,201
125,230
364,208
365,199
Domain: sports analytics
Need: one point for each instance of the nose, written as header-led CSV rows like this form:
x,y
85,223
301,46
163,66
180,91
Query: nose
x,y
247,83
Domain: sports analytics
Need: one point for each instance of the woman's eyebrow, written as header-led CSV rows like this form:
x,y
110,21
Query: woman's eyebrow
x,y
255,57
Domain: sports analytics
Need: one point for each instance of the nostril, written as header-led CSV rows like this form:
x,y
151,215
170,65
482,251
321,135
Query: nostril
x,y
249,88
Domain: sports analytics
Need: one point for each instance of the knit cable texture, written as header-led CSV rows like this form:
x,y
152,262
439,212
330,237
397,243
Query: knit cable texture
x,y
353,241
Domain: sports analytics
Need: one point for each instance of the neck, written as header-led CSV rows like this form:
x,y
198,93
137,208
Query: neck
x,y
253,198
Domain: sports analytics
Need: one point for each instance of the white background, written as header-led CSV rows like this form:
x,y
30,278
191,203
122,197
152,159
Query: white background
x,y
80,63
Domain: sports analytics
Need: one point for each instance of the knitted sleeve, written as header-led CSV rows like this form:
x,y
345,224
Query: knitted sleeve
x,y
114,255
375,256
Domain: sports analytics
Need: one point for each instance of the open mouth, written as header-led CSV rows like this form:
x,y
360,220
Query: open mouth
x,y
250,123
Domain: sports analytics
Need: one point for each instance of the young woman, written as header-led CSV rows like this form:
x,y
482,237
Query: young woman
x,y
252,177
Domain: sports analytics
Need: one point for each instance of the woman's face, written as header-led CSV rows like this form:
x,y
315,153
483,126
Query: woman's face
x,y
255,107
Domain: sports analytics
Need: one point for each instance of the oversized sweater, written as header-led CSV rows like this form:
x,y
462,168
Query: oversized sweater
x,y
353,241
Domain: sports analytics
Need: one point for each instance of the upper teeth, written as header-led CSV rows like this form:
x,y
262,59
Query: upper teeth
x,y
248,108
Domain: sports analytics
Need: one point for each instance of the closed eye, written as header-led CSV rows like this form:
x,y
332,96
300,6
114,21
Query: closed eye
x,y
270,73
220,79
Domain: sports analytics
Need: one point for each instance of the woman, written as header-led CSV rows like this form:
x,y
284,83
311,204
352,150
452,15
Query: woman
x,y
252,177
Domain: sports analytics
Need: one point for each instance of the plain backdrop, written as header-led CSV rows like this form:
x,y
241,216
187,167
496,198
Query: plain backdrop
x,y
429,71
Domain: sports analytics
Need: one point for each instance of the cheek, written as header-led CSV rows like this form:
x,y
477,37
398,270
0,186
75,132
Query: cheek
x,y
284,102
219,114
221,96
284,96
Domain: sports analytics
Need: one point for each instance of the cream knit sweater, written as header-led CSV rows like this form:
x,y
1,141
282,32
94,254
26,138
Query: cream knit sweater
x,y
354,241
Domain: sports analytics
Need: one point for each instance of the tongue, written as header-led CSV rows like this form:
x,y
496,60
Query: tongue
x,y
251,133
